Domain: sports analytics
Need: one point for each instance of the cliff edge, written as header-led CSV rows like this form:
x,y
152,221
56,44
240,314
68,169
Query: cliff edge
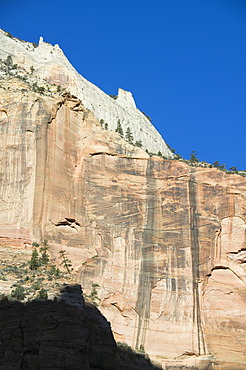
x,y
49,64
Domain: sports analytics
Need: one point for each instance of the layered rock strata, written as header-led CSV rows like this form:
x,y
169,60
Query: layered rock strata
x,y
164,241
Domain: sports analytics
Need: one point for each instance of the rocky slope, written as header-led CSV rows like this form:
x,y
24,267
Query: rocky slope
x,y
164,241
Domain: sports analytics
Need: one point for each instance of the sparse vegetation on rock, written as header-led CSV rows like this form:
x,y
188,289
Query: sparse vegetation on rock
x,y
36,88
44,259
193,157
119,129
35,278
65,261
18,293
93,297
218,165
104,124
138,143
129,135
34,262
114,97
148,117
42,294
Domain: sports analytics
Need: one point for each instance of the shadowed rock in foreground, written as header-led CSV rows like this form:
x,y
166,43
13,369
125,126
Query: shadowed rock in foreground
x,y
63,334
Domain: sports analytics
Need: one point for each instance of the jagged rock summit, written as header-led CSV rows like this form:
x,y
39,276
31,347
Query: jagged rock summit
x,y
50,65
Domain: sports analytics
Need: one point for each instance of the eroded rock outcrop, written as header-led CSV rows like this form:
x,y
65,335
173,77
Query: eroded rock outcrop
x,y
63,334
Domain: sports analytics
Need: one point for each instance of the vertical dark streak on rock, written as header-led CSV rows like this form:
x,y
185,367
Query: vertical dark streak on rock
x,y
147,273
23,150
125,268
42,171
42,143
195,260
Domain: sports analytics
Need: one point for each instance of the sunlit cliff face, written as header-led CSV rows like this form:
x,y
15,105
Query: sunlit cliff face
x,y
48,64
164,241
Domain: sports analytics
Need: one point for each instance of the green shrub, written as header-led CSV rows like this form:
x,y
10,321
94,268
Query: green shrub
x,y
41,89
9,34
113,96
138,143
37,88
177,156
35,244
233,169
2,277
148,117
10,268
54,273
42,294
103,124
217,164
37,285
193,157
18,293
94,294
8,61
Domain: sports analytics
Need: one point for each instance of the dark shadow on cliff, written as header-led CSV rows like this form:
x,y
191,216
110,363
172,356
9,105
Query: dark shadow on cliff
x,y
66,333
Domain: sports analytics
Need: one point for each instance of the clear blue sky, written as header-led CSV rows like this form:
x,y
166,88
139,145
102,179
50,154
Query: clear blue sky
x,y
183,60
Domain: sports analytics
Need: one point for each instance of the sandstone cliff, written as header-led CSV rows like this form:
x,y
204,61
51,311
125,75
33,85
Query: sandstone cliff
x,y
165,241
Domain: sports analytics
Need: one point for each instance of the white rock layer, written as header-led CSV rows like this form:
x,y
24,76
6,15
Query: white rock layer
x,y
50,64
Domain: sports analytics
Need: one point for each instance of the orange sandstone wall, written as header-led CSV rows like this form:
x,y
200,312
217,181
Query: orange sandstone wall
x,y
165,241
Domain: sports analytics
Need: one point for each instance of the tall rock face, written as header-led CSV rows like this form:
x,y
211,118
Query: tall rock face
x,y
164,241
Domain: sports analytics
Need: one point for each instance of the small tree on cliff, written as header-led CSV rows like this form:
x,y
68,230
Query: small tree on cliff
x,y
119,129
8,61
129,135
34,263
218,165
65,262
94,294
233,169
193,157
44,259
